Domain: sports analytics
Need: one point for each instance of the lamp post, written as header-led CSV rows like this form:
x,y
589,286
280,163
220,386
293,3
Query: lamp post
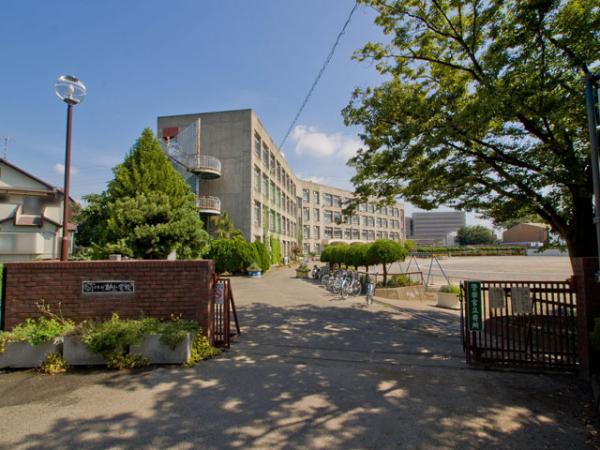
x,y
71,91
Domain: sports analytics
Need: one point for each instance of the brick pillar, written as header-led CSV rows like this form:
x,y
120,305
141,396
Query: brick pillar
x,y
587,290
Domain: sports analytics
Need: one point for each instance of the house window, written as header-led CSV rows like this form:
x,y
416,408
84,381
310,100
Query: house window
x,y
32,206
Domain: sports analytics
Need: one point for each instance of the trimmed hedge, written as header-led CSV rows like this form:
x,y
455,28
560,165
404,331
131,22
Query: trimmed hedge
x,y
480,250
233,255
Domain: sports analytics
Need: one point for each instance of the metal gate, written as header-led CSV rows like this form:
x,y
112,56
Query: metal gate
x,y
530,327
223,308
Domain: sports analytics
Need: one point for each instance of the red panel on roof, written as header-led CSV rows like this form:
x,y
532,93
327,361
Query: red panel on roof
x,y
170,132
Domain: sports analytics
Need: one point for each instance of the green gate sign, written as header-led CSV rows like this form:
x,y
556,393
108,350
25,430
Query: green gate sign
x,y
474,306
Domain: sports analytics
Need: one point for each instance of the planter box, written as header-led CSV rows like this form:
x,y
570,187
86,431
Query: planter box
x,y
402,293
21,355
447,300
302,273
254,274
158,353
75,353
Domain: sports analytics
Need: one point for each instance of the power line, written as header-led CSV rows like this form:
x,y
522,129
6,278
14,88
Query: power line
x,y
323,67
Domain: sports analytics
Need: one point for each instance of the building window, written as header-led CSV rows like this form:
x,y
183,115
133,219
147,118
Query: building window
x,y
257,213
337,201
316,232
371,235
265,156
337,217
328,215
337,233
362,207
365,235
355,234
384,223
379,222
347,233
257,179
306,232
265,186
318,249
327,200
306,214
316,215
278,172
306,249
305,195
355,220
316,197
272,165
328,232
257,145
370,208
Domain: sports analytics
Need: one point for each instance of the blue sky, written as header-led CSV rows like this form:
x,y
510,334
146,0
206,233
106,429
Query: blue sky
x,y
140,60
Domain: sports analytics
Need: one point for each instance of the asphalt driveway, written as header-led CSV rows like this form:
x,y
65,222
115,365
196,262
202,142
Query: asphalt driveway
x,y
310,371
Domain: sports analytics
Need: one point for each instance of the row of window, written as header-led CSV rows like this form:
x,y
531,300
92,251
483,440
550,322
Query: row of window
x,y
272,166
263,184
275,222
339,202
349,233
336,217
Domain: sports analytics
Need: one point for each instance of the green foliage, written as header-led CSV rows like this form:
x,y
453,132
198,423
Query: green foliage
x,y
147,211
36,331
275,250
54,364
201,349
396,281
481,109
450,289
384,252
224,228
410,245
254,267
488,250
264,259
476,235
356,255
232,255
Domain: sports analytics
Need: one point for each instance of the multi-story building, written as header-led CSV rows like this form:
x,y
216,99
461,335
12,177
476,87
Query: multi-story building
x,y
233,165
436,227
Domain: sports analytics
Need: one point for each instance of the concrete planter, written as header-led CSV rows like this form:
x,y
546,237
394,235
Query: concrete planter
x,y
22,355
302,273
402,293
254,273
447,300
159,353
75,353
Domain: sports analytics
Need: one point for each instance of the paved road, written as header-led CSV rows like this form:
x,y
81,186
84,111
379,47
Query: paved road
x,y
310,371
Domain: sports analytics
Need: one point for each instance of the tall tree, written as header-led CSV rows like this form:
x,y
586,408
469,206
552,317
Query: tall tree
x,y
147,210
483,110
476,235
224,228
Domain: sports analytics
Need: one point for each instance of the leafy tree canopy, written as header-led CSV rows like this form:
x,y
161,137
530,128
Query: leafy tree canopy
x,y
476,235
385,252
147,210
224,228
482,110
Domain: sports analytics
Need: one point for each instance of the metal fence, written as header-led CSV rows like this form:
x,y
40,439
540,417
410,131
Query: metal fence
x,y
223,309
533,327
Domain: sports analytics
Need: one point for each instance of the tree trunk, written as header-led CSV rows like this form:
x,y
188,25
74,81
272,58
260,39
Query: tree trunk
x,y
384,275
581,238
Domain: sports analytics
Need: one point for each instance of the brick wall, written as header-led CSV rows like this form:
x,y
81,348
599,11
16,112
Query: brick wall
x,y
162,288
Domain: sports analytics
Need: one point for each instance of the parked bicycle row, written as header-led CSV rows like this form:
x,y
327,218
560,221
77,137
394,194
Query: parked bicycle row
x,y
343,283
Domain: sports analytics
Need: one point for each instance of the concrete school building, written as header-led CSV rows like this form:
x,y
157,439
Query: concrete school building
x,y
233,165
31,213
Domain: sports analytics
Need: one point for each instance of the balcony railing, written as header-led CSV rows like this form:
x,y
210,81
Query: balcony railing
x,y
208,204
205,166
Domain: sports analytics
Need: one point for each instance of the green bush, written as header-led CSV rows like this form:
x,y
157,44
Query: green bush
x,y
201,349
397,281
264,259
450,289
232,255
36,331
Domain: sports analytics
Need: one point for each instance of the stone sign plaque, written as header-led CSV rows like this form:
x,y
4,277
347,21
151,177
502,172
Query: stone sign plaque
x,y
497,299
108,287
521,299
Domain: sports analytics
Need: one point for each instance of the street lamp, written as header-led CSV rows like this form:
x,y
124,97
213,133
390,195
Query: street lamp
x,y
71,91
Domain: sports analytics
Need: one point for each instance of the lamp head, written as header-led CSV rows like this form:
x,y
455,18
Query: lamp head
x,y
70,89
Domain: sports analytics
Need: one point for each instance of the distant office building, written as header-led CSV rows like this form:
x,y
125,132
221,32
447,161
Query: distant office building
x,y
30,216
436,227
234,166
526,234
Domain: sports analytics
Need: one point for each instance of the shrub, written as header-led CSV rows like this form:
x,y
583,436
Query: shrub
x,y
356,255
264,259
201,349
232,255
54,364
397,281
36,331
450,289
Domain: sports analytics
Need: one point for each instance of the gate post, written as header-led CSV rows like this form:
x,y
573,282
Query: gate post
x,y
587,290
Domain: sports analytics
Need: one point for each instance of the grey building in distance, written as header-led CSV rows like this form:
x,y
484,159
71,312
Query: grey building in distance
x,y
437,227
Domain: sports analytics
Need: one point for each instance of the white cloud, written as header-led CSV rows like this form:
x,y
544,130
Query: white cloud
x,y
311,142
314,178
60,169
